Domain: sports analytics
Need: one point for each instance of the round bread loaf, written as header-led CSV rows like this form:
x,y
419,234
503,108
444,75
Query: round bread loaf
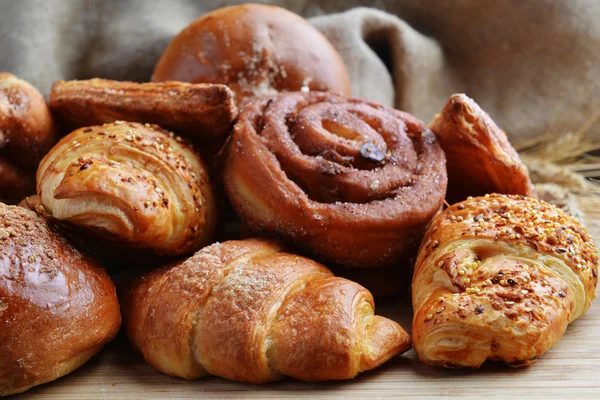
x,y
255,50
58,307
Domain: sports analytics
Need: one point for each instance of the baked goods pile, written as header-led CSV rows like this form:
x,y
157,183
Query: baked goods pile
x,y
315,176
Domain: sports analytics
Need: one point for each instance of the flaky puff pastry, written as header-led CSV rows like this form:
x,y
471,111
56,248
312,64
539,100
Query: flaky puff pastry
x,y
136,185
201,111
480,159
27,132
499,278
249,311
352,181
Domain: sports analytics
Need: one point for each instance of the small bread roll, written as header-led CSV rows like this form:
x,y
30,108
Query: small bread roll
x,y
27,132
58,307
255,50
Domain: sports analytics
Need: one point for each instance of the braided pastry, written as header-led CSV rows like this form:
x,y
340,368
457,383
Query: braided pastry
x,y
136,185
27,132
249,311
499,278
352,181
480,159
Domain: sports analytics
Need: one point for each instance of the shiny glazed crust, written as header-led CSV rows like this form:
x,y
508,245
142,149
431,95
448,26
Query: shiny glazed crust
x,y
27,132
58,307
136,185
480,159
499,278
203,111
255,50
354,182
249,311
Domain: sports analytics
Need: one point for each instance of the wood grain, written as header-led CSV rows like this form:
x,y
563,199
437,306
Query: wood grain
x,y
569,370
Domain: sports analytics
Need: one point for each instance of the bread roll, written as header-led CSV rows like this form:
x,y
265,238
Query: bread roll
x,y
255,50
27,132
58,307
499,278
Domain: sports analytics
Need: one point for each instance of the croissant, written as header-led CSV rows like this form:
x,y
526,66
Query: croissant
x,y
354,182
198,110
480,159
27,132
135,185
58,307
249,311
499,278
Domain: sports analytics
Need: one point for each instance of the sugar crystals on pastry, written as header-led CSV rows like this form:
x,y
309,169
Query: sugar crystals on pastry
x,y
137,186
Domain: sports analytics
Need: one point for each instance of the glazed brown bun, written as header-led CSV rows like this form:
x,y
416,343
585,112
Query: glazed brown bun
x,y
252,312
480,159
136,186
499,278
255,50
58,307
353,182
27,132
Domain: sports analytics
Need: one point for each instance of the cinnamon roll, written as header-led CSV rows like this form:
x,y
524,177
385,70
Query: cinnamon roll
x,y
354,182
136,185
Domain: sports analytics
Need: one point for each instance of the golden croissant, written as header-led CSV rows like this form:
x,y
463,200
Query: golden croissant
x,y
249,311
480,159
499,278
135,185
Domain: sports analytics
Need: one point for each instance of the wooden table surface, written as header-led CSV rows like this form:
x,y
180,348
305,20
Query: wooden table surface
x,y
569,370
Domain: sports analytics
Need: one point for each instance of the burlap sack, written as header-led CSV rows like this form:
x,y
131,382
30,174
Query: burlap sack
x,y
532,64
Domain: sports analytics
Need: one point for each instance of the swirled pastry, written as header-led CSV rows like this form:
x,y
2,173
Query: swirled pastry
x,y
136,185
27,132
58,307
249,311
352,181
203,110
480,159
499,278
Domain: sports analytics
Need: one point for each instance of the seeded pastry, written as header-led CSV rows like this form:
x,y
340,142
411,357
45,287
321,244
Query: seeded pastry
x,y
136,186
499,278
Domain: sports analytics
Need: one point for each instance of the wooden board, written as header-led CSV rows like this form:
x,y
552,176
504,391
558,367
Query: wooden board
x,y
570,370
